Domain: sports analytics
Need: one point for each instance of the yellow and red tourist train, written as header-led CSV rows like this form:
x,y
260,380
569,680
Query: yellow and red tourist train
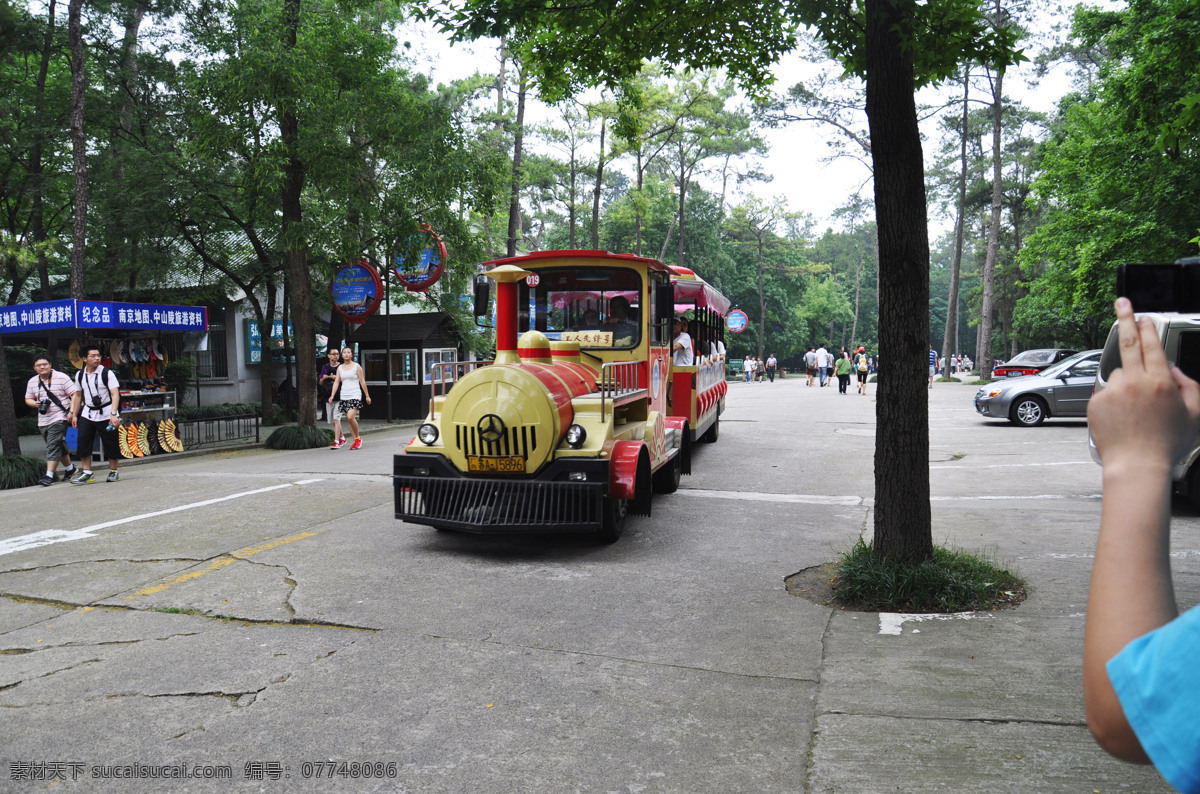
x,y
585,411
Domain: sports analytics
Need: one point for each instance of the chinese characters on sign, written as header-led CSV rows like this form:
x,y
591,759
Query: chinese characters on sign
x,y
101,314
589,338
356,290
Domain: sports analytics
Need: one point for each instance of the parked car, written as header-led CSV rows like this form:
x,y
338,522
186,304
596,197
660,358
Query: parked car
x,y
1062,389
1030,362
1180,335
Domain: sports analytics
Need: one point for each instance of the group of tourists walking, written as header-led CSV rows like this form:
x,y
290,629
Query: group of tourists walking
x,y
820,366
755,369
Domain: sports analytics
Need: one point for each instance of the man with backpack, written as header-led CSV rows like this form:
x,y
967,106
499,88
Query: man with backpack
x,y
50,391
96,410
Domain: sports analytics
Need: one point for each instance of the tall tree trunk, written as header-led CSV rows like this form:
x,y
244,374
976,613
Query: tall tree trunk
x,y
903,524
762,302
38,204
78,146
295,239
571,209
989,265
10,442
683,189
596,190
857,291
514,196
951,334
637,206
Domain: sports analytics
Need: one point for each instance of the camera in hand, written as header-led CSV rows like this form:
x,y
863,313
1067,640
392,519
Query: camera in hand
x,y
43,406
1161,288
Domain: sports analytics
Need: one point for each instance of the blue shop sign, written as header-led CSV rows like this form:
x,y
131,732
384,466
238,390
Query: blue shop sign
x,y
37,316
107,315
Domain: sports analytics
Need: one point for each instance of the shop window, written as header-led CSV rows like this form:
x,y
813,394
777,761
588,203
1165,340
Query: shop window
x,y
437,356
213,363
404,366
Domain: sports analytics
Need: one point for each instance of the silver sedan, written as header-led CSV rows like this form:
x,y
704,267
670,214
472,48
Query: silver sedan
x,y
1062,389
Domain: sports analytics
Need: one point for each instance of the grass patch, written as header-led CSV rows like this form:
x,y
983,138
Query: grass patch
x,y
20,471
951,581
980,382
946,380
299,437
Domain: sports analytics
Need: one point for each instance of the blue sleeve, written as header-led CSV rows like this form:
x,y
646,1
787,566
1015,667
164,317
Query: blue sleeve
x,y
1157,679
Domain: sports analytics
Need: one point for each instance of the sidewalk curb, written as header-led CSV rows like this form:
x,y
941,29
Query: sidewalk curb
x,y
35,443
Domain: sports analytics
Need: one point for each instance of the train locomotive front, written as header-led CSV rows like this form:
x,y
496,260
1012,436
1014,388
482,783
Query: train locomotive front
x,y
571,428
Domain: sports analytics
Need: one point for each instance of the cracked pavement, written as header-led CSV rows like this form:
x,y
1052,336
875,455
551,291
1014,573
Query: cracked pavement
x,y
264,610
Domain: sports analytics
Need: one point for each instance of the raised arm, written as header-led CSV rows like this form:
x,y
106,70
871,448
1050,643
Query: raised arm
x,y
1142,422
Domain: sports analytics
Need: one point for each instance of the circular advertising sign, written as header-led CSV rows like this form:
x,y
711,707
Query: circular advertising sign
x,y
737,321
420,260
356,290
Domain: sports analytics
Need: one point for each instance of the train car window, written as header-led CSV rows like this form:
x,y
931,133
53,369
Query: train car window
x,y
600,307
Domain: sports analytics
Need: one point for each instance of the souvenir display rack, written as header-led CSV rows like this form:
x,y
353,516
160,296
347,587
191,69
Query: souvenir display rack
x,y
148,424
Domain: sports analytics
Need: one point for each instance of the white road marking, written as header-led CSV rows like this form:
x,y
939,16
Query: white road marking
x,y
857,501
48,536
969,467
893,622
794,498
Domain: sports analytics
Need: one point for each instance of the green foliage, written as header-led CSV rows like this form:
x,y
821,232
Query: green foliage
x,y
824,306
27,426
1122,168
299,437
278,415
20,471
950,581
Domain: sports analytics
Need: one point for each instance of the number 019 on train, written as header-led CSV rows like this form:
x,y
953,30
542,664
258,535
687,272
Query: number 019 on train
x,y
585,412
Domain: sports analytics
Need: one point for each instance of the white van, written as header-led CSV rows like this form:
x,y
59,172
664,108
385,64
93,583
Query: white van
x,y
1180,335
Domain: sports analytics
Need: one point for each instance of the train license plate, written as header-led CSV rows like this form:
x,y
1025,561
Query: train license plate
x,y
495,464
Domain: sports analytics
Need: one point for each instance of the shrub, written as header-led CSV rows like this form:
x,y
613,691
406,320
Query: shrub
x,y
27,426
299,437
951,581
191,413
20,471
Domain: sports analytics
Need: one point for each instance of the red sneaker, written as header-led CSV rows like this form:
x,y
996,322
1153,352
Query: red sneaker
x,y
341,442
357,444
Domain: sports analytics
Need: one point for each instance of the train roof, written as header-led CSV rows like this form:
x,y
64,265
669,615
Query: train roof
x,y
653,264
688,286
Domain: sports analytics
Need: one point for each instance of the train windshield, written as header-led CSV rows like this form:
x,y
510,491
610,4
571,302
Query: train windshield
x,y
596,306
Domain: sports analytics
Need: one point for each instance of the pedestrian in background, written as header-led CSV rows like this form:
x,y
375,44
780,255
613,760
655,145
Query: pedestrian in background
x,y
860,367
50,392
325,380
351,387
771,365
843,368
933,361
810,365
824,365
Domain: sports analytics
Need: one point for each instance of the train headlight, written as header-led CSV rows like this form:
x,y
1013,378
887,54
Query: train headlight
x,y
428,434
576,435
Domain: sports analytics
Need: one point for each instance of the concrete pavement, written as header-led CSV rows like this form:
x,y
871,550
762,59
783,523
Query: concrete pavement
x,y
674,660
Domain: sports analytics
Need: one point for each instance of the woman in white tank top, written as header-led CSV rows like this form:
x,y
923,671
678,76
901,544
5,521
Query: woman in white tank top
x,y
350,386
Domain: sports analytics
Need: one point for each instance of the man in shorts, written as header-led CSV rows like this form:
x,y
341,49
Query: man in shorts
x,y
96,413
325,381
810,364
49,391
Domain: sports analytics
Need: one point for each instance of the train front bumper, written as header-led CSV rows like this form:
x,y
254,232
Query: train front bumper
x,y
429,490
